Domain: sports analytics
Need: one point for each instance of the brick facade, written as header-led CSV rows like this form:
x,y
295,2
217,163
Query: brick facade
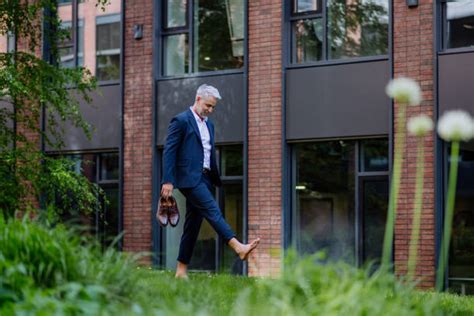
x,y
413,57
265,135
138,85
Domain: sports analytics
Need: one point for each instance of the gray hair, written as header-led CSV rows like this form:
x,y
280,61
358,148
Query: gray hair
x,y
206,91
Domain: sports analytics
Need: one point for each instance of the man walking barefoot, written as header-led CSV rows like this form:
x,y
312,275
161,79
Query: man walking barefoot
x,y
189,164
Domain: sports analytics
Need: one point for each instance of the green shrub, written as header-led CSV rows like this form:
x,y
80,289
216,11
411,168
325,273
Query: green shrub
x,y
307,288
54,266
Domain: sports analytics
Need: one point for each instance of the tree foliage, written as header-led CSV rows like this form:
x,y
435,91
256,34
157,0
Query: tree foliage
x,y
36,89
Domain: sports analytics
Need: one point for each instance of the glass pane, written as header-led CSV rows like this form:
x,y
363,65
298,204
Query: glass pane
x,y
306,5
460,23
175,56
461,256
374,215
109,166
103,34
108,221
324,188
108,67
357,28
88,166
464,287
219,24
308,38
66,46
176,13
374,155
233,206
108,48
232,161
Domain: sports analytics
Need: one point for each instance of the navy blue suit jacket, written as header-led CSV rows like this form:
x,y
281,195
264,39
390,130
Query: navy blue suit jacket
x,y
183,153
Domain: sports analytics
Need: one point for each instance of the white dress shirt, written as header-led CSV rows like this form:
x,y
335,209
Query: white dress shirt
x,y
205,138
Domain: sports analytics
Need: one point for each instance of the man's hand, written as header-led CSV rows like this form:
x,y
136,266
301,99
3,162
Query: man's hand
x,y
167,190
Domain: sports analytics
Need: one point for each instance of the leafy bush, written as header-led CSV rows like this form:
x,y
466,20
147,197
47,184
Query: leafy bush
x,y
56,268
306,288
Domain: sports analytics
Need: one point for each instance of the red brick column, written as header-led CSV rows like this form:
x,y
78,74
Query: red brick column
x,y
413,57
138,87
264,135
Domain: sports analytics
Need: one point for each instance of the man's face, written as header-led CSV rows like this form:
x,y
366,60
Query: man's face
x,y
205,106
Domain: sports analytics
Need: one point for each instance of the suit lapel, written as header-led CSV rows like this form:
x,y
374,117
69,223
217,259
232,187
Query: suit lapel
x,y
193,123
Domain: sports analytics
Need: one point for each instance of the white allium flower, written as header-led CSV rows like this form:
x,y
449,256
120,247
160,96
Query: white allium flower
x,y
420,125
456,125
404,90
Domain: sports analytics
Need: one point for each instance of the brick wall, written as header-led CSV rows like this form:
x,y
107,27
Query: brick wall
x,y
265,135
413,57
138,87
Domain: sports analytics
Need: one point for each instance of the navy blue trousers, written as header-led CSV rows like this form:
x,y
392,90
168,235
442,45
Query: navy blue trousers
x,y
200,204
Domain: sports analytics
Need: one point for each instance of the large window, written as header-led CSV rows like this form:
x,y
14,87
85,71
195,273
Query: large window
x,y
102,169
458,23
108,47
93,37
340,196
202,35
66,48
338,29
210,253
461,255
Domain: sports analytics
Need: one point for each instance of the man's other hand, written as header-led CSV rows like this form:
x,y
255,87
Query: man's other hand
x,y
167,190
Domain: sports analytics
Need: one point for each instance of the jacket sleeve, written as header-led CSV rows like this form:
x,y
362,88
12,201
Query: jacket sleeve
x,y
173,141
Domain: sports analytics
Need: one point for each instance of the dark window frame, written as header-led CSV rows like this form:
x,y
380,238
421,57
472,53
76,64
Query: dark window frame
x,y
164,31
117,19
443,33
74,38
359,176
104,184
291,16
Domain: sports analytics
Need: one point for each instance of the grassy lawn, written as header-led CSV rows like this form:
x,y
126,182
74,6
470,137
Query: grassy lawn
x,y
52,271
210,294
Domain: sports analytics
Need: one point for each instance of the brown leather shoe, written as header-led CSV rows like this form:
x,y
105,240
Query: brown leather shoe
x,y
173,212
162,213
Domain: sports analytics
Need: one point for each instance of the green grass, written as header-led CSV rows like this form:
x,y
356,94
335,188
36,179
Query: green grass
x,y
52,271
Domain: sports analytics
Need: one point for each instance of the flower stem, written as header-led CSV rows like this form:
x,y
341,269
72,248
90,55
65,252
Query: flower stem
x,y
415,230
448,215
394,187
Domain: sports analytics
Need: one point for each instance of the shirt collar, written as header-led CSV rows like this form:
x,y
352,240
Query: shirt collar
x,y
197,116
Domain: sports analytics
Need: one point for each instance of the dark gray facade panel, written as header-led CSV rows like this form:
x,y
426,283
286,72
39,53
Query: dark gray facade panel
x,y
104,115
337,101
175,96
456,82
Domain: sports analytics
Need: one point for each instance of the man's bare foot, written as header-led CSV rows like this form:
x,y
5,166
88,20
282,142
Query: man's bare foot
x,y
246,249
181,271
182,276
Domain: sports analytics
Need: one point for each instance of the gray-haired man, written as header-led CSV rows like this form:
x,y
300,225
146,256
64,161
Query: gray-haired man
x,y
189,164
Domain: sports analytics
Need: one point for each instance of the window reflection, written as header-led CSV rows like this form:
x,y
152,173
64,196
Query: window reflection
x,y
99,51
218,24
309,37
357,28
108,47
461,256
325,216
105,224
460,23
